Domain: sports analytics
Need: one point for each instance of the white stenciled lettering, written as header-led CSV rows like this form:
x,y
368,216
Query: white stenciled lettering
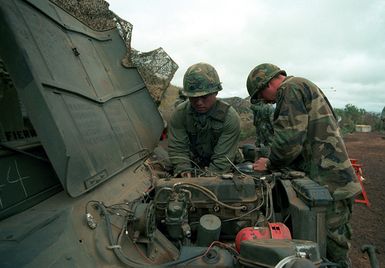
x,y
16,177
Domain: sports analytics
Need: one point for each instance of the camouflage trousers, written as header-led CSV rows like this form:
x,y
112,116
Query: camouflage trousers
x,y
339,232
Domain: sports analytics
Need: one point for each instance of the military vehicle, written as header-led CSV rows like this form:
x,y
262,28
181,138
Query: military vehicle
x,y
79,184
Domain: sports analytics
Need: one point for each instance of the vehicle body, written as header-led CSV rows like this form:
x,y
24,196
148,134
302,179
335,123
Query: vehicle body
x,y
77,183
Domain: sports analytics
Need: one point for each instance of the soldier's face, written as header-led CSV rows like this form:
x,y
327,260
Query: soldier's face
x,y
204,103
268,95
270,92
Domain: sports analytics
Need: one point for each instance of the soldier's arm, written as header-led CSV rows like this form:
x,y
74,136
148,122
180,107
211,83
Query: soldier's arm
x,y
227,145
178,146
290,127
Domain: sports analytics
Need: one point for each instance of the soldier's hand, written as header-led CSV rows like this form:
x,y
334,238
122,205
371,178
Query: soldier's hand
x,y
261,164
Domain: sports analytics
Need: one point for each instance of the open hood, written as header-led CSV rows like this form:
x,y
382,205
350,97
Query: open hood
x,y
93,116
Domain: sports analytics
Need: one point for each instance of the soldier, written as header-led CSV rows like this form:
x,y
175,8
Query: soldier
x,y
264,131
383,118
307,138
203,131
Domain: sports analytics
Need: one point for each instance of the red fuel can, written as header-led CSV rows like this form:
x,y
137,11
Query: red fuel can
x,y
274,230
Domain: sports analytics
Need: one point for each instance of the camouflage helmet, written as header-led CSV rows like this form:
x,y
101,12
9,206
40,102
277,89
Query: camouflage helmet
x,y
200,79
260,76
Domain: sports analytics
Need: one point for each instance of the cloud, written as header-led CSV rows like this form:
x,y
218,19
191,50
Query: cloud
x,y
336,44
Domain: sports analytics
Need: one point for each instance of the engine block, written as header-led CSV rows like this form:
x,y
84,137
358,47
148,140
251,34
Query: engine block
x,y
235,200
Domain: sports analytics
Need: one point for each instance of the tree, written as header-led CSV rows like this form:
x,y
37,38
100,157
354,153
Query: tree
x,y
352,116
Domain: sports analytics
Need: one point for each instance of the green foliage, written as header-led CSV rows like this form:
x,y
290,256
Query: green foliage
x,y
351,116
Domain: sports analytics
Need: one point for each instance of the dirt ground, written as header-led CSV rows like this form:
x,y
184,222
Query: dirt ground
x,y
368,222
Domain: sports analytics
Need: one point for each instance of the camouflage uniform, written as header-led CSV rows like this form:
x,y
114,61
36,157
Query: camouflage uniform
x,y
263,117
307,138
209,139
383,118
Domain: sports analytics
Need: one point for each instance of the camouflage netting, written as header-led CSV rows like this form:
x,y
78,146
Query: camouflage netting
x,y
156,67
93,13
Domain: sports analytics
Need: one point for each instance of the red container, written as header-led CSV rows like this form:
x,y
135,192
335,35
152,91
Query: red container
x,y
275,230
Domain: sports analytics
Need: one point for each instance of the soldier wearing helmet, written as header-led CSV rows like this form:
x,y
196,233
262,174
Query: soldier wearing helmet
x,y
204,131
307,138
263,115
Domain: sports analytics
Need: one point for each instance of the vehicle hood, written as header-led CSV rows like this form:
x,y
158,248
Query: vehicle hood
x,y
94,117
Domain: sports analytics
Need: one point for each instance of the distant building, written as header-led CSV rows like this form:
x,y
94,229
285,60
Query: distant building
x,y
363,128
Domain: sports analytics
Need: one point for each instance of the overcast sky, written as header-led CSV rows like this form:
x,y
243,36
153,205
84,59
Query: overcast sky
x,y
339,45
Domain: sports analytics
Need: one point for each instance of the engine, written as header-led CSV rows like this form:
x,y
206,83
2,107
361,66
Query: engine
x,y
193,210
219,221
